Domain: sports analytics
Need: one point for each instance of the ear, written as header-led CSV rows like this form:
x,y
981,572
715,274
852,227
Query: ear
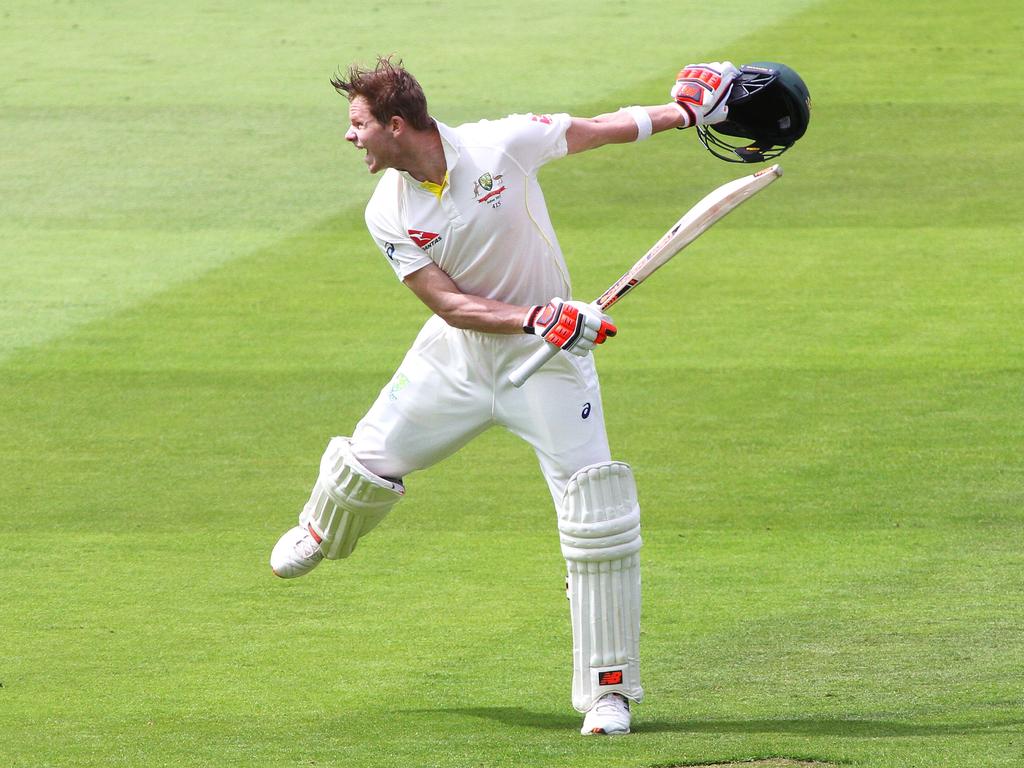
x,y
397,125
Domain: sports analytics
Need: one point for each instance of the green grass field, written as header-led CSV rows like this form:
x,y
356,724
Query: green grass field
x,y
822,399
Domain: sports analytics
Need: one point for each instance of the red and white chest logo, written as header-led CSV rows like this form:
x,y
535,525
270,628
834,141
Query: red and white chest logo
x,y
425,240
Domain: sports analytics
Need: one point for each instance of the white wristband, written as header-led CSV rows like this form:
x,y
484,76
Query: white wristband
x,y
644,127
687,117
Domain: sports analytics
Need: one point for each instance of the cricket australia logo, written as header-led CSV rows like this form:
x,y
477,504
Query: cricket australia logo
x,y
484,189
400,382
425,240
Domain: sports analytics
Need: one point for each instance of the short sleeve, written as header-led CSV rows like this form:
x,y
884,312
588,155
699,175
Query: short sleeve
x,y
383,221
533,140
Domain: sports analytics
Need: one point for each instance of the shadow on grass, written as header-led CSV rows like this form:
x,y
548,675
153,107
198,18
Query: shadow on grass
x,y
849,728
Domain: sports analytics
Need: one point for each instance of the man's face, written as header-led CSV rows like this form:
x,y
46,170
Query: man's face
x,y
367,134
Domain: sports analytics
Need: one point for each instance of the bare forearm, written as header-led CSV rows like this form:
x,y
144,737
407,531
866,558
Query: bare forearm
x,y
618,127
475,313
663,117
464,310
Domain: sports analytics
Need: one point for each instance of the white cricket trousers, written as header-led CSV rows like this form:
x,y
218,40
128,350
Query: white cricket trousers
x,y
453,385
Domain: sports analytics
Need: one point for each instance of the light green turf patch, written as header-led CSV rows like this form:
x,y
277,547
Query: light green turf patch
x,y
142,126
821,401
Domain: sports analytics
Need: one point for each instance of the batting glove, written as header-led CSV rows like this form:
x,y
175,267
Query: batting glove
x,y
701,92
572,326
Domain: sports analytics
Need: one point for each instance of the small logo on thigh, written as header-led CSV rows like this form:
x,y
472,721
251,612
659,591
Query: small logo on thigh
x,y
400,382
586,411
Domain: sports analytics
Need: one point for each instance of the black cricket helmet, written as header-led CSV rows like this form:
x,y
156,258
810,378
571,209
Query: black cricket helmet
x,y
769,109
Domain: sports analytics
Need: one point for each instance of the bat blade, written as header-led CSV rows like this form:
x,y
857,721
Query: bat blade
x,y
695,222
712,208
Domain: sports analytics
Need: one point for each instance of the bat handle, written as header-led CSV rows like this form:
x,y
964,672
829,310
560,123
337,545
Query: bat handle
x,y
535,362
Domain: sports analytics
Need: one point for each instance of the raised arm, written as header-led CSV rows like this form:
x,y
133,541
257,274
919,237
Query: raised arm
x,y
699,97
619,127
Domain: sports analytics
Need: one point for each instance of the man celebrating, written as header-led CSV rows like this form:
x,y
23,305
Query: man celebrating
x,y
460,217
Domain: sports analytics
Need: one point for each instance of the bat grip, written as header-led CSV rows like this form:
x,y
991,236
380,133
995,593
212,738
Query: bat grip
x,y
533,364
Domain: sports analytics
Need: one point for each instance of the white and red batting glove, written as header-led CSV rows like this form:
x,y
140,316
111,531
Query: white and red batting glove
x,y
701,92
572,326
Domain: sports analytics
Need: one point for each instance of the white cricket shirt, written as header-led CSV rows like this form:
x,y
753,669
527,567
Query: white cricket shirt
x,y
489,228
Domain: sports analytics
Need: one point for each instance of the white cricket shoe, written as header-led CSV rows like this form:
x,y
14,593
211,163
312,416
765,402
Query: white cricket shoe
x,y
296,553
609,716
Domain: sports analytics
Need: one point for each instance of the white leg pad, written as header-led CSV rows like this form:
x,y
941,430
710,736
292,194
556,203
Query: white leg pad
x,y
599,526
347,502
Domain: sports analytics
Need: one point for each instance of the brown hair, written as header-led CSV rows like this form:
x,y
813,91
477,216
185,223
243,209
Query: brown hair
x,y
389,90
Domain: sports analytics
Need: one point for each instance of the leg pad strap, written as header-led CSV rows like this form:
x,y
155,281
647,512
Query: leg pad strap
x,y
347,501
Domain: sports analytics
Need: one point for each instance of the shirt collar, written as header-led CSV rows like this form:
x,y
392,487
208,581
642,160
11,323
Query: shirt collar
x,y
450,144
